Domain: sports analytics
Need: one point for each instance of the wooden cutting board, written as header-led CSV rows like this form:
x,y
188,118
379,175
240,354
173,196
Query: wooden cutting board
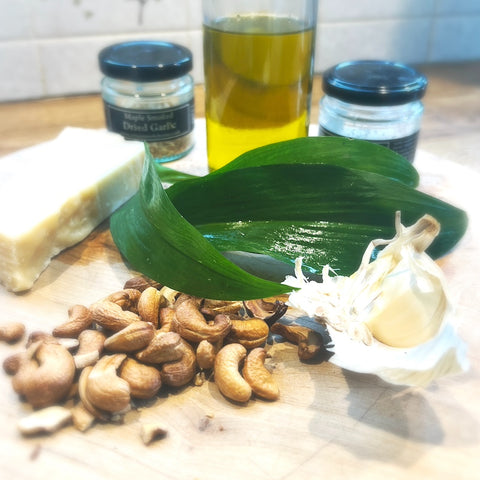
x,y
327,423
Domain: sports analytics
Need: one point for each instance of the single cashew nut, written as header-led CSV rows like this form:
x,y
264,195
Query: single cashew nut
x,y
79,320
258,376
144,380
105,389
250,333
47,376
179,373
85,401
134,337
227,374
110,316
192,326
149,305
164,347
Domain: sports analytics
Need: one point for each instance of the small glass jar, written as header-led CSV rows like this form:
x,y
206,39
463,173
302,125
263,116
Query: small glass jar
x,y
373,100
148,95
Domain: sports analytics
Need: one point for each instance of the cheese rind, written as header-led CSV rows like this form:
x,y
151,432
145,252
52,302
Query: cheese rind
x,y
54,194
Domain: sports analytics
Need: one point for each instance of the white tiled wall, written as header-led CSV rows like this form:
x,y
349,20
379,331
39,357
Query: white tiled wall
x,y
49,47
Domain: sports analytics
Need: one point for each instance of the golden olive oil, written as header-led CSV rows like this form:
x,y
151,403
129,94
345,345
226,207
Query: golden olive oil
x,y
258,74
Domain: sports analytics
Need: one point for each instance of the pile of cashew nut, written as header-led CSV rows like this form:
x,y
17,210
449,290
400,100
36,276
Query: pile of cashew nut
x,y
131,343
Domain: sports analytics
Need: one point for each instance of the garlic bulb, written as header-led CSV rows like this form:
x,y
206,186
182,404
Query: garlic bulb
x,y
391,317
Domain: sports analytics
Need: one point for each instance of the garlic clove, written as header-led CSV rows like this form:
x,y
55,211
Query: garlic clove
x,y
407,313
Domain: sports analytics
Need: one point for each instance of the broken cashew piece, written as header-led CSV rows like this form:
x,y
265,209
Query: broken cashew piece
x,y
152,431
258,376
268,311
206,352
82,418
12,332
309,342
227,373
47,420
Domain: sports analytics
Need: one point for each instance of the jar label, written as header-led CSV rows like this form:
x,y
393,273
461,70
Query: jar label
x,y
404,146
150,125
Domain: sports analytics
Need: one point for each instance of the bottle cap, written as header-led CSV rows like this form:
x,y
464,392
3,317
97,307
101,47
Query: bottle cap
x,y
374,83
145,61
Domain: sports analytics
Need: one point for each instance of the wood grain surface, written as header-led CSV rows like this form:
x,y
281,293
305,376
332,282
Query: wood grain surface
x,y
328,423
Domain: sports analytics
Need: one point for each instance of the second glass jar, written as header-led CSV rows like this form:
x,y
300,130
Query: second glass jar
x,y
372,100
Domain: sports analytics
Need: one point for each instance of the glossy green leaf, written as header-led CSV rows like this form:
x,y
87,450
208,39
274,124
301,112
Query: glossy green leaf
x,y
341,201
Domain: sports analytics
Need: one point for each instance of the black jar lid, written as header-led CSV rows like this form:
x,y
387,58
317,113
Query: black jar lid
x,y
374,82
145,61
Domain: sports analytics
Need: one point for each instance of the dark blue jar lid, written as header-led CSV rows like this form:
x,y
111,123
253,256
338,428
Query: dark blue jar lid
x,y
145,61
374,82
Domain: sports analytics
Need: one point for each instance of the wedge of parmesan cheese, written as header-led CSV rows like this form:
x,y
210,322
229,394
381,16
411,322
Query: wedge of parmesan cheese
x,y
54,194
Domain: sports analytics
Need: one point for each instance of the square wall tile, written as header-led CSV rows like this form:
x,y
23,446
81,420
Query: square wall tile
x,y
61,18
168,15
455,38
21,75
345,10
15,20
403,41
457,7
70,65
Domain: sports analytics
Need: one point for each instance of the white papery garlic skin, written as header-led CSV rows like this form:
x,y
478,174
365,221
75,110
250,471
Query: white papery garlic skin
x,y
392,317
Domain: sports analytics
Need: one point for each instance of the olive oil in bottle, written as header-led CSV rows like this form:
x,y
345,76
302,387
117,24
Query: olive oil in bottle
x,y
258,75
